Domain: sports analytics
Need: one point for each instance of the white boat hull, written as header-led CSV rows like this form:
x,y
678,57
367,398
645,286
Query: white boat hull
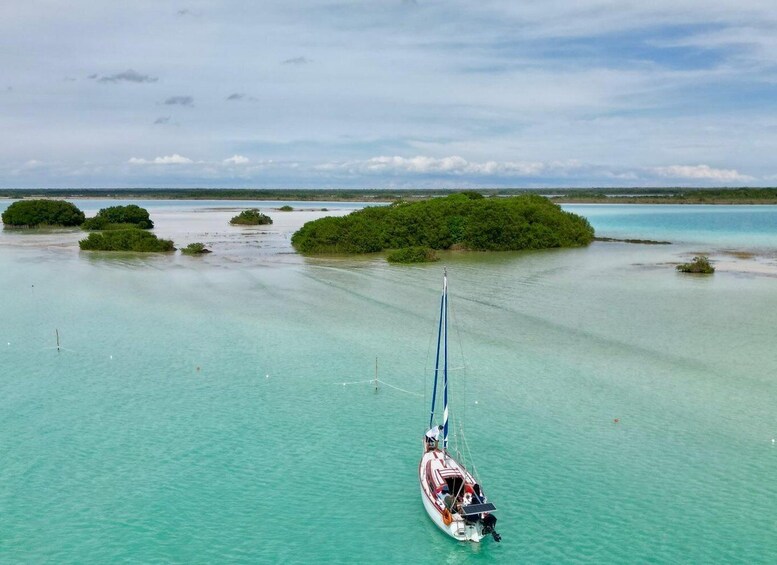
x,y
458,528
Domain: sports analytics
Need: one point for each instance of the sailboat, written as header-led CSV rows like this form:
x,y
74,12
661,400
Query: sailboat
x,y
450,493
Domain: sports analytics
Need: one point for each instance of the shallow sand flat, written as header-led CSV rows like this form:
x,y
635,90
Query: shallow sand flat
x,y
753,266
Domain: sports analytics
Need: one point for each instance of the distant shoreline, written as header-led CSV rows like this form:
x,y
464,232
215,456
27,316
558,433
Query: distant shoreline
x,y
724,196
668,200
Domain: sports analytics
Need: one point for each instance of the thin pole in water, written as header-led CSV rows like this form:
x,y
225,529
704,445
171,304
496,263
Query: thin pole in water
x,y
57,332
376,374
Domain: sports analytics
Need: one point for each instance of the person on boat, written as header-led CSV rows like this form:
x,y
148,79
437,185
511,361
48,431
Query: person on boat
x,y
451,502
433,437
477,496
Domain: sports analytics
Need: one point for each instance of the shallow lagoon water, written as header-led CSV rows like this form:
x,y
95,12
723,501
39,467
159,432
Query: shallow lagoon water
x,y
197,413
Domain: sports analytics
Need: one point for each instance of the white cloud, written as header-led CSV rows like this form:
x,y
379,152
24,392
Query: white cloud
x,y
237,160
454,165
174,159
624,87
701,172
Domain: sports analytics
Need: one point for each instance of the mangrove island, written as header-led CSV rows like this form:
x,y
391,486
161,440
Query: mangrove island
x,y
195,249
41,212
125,240
252,217
461,221
700,265
119,217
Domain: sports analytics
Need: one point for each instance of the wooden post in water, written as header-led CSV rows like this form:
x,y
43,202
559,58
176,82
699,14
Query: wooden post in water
x,y
376,374
57,332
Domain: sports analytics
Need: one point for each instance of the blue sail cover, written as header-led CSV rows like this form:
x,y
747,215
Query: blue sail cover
x,y
442,344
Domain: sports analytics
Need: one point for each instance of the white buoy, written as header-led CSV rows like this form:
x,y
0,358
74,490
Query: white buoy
x,y
267,376
476,402
111,356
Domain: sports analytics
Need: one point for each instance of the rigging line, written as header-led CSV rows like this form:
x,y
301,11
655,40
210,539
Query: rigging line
x,y
372,381
443,316
426,363
464,378
400,389
445,365
469,455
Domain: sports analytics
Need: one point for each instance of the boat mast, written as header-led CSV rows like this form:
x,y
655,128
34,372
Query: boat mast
x,y
437,358
445,366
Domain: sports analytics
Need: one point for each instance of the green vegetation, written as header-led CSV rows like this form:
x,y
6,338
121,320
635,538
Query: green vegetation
x,y
412,255
252,217
32,213
700,264
195,249
286,208
125,240
118,218
461,220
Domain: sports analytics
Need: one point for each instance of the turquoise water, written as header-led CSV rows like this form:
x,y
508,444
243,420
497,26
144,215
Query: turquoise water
x,y
751,227
197,414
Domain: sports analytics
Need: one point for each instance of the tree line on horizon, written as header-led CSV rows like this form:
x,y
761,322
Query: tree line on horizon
x,y
635,194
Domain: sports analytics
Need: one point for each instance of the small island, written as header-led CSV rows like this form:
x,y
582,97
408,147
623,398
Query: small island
x,y
459,221
126,240
412,255
286,208
42,212
252,217
118,218
699,265
195,249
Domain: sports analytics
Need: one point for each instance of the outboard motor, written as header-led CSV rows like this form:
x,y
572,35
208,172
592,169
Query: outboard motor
x,y
489,525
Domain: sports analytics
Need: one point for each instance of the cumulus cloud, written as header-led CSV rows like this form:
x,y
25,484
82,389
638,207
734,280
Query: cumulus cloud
x,y
701,172
453,165
129,75
180,101
297,61
237,160
174,159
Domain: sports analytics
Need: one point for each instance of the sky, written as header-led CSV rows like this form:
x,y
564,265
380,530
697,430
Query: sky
x,y
388,93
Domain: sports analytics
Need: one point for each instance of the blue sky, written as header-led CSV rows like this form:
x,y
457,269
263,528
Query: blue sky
x,y
388,93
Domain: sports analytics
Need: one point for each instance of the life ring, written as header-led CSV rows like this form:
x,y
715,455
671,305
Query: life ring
x,y
446,517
